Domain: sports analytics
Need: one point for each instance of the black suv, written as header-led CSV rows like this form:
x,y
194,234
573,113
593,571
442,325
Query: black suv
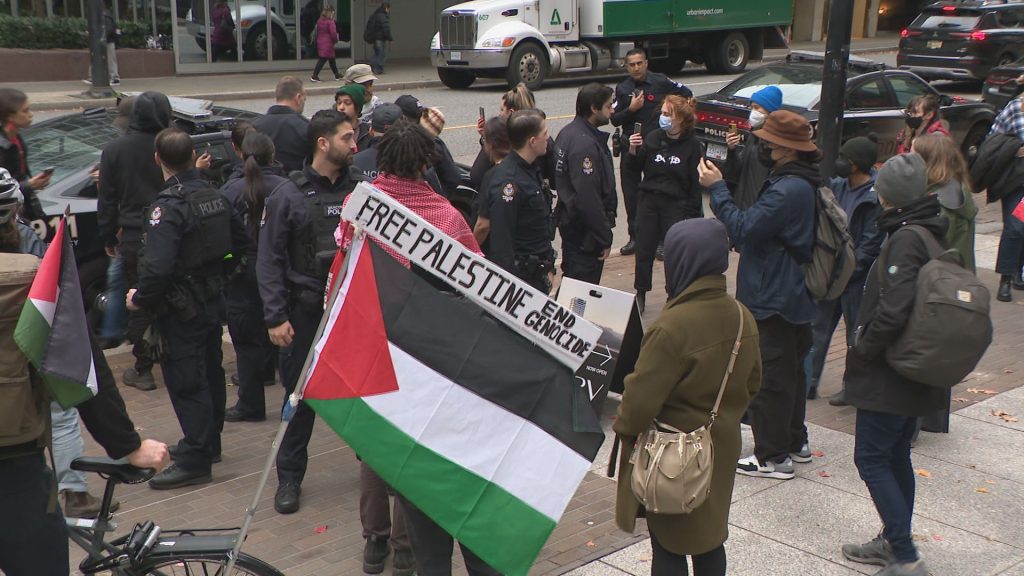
x,y
962,40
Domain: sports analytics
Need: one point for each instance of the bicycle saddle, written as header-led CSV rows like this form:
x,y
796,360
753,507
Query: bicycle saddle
x,y
119,470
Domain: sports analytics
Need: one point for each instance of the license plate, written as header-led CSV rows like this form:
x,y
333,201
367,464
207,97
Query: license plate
x,y
717,151
934,44
456,56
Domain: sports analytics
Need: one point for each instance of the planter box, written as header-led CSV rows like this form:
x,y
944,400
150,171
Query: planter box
x,y
50,65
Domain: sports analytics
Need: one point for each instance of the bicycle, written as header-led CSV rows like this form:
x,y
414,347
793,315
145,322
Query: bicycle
x,y
148,549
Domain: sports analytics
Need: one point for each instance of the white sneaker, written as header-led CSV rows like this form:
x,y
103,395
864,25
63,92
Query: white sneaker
x,y
803,456
750,466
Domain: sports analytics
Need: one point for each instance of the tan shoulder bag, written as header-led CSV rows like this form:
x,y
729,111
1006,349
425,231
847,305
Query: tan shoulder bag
x,y
672,468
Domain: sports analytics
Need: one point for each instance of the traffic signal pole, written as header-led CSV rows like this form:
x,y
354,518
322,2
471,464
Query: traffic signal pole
x,y
97,52
833,86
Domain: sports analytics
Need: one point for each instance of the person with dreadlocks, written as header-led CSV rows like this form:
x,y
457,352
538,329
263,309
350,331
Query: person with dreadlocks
x,y
405,152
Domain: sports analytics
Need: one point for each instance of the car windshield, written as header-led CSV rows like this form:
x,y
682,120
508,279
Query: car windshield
x,y
941,20
800,85
69,144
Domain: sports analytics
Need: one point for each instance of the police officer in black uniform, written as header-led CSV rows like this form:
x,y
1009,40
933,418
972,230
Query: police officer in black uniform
x,y
520,206
586,186
638,100
296,248
191,234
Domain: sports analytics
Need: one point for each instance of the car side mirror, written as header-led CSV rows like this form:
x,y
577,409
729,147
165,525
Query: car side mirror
x,y
945,100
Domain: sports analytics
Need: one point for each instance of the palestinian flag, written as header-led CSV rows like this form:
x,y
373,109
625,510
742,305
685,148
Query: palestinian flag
x,y
52,330
468,420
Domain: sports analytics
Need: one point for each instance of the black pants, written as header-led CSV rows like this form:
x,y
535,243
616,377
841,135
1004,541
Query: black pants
x,y
433,547
32,541
665,563
194,376
320,66
777,412
138,320
256,356
630,174
579,264
293,455
656,213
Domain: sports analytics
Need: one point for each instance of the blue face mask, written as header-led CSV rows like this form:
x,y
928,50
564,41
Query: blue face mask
x,y
665,122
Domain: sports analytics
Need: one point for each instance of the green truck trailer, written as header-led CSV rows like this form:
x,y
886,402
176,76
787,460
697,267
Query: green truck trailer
x,y
531,40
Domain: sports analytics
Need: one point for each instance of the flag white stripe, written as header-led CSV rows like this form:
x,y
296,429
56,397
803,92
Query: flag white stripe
x,y
46,309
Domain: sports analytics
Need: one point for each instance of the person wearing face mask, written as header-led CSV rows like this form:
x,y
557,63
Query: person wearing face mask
x,y
854,189
669,191
775,236
743,173
923,117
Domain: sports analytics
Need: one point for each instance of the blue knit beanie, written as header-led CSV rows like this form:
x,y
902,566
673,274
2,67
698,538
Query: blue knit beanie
x,y
769,97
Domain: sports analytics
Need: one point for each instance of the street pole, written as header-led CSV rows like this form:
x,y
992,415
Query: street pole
x,y
97,52
833,86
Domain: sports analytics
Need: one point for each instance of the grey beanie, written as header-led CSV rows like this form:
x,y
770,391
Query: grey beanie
x,y
902,180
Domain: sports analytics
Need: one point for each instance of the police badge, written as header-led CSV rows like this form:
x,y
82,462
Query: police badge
x,y
588,166
508,193
154,216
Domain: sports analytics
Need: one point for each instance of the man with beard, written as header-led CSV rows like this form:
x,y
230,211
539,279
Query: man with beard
x,y
296,247
586,186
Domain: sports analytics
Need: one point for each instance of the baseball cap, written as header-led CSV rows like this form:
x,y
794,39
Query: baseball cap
x,y
411,106
384,116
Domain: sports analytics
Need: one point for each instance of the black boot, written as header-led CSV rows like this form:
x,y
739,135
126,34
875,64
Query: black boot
x,y
1004,294
641,300
1018,282
629,249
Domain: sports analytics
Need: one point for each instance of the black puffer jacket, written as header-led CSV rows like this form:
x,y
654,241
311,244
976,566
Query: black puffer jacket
x,y
871,384
129,176
996,167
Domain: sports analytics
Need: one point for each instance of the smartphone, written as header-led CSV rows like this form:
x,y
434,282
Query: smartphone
x,y
637,129
49,169
733,128
482,116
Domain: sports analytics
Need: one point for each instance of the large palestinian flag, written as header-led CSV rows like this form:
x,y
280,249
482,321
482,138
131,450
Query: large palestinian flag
x,y
468,420
52,330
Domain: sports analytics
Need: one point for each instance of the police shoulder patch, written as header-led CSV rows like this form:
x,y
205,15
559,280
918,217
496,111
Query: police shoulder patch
x,y
588,165
155,215
508,193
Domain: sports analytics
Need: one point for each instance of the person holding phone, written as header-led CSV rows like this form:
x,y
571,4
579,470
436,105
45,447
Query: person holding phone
x,y
743,172
637,102
15,116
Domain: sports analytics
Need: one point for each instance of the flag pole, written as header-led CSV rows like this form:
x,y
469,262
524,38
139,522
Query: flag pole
x,y
289,410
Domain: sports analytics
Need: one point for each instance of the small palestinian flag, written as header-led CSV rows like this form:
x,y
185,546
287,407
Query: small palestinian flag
x,y
52,330
468,420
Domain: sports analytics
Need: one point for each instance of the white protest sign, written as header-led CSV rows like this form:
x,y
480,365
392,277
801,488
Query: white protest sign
x,y
566,336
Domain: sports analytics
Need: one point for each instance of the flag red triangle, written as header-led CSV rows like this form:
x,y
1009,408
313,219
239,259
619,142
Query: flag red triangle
x,y
44,286
355,359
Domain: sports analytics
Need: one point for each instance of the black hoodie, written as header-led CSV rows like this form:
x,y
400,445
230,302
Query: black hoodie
x,y
130,179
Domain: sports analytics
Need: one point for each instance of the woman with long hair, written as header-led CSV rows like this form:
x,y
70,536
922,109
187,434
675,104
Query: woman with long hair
x,y
949,179
326,38
518,98
15,116
261,176
497,146
924,116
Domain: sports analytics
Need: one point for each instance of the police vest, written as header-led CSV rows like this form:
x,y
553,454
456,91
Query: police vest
x,y
205,246
312,248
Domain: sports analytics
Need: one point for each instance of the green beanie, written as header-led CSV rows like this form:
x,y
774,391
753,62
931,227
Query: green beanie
x,y
358,94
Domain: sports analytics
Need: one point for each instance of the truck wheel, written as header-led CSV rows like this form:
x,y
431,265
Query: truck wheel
x,y
456,79
528,65
730,55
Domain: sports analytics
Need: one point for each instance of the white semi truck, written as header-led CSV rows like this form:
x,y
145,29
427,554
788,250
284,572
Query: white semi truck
x,y
531,40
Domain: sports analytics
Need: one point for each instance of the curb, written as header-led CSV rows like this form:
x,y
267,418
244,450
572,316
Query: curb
x,y
327,90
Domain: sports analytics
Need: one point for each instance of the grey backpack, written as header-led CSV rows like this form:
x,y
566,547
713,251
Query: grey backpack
x,y
834,258
949,327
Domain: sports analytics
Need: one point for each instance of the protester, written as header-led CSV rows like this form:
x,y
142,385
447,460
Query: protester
x,y
15,116
775,236
923,117
948,178
498,147
676,380
518,98
887,403
432,120
378,33
669,191
366,160
637,101
362,74
326,37
853,188
296,248
586,186
181,276
129,183
222,39
742,171
998,170
33,539
349,99
286,125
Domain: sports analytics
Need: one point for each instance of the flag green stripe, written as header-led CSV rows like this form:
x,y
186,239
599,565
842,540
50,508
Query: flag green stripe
x,y
32,333
501,529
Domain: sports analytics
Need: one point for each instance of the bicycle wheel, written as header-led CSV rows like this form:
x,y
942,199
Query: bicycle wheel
x,y
207,566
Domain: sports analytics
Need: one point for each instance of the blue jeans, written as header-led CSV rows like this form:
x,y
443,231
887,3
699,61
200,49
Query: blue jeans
x,y
882,455
115,314
847,307
67,445
380,54
1011,242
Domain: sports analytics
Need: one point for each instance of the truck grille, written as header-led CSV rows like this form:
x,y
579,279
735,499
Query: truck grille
x,y
458,30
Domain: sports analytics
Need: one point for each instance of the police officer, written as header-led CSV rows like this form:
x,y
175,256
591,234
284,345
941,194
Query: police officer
x,y
586,186
519,207
638,101
190,232
296,248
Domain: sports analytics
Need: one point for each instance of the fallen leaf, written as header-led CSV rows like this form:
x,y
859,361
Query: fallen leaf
x,y
981,490
923,473
937,538
990,481
320,529
982,391
590,544
644,558
920,538
961,400
1006,416
817,454
824,474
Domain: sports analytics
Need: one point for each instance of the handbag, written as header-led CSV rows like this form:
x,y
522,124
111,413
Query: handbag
x,y
672,468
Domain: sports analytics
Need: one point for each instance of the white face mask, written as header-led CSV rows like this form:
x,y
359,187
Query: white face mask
x,y
757,118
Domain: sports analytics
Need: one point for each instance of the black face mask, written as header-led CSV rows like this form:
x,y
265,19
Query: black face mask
x,y
843,168
764,155
914,122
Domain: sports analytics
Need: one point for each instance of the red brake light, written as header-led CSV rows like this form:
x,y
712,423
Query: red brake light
x,y
978,36
907,33
949,8
904,33
742,124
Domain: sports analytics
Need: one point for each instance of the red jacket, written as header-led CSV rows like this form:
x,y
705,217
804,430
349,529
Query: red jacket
x,y
903,144
222,35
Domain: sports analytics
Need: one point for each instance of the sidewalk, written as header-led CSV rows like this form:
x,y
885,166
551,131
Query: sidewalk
x,y
401,75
